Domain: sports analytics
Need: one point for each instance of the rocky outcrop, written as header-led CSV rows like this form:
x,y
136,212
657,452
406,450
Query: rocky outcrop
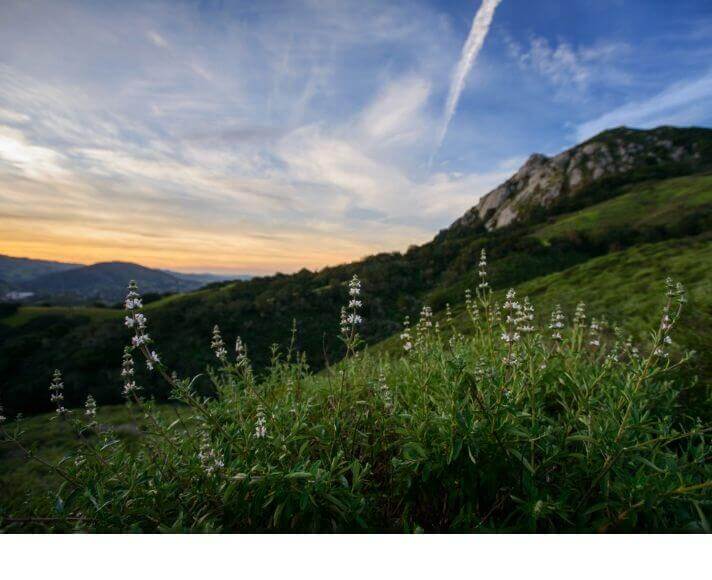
x,y
542,180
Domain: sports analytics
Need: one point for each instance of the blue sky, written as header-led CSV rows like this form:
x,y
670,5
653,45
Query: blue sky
x,y
265,136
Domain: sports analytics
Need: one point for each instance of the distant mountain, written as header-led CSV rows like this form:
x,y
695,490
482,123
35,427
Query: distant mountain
x,y
610,159
17,270
106,281
25,278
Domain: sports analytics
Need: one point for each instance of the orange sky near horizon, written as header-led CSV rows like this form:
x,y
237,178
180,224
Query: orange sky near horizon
x,y
195,252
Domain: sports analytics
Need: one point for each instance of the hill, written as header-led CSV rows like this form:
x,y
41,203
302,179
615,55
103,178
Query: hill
x,y
14,271
105,281
644,209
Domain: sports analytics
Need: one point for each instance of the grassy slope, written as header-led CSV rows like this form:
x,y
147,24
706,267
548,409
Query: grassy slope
x,y
627,288
663,202
26,314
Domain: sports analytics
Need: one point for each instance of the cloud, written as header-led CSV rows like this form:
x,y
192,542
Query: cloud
x,y
156,39
30,160
473,44
396,114
686,102
571,69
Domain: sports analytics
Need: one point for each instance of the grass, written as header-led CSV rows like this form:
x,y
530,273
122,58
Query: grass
x,y
656,203
53,441
26,314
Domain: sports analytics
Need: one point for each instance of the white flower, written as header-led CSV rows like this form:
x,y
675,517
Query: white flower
x,y
354,286
218,345
127,372
240,349
140,339
152,359
90,407
260,425
354,319
557,323
56,388
208,457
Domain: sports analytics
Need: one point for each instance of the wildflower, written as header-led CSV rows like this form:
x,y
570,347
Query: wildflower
x,y
152,359
594,333
136,320
57,393
510,303
355,287
57,387
525,319
385,392
513,318
209,459
482,271
218,345
405,335
675,295
344,324
350,318
127,372
140,339
240,350
557,323
90,407
260,424
426,317
133,299
580,315
510,337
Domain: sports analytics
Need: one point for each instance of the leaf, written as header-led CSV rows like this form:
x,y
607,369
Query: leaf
x,y
523,460
299,475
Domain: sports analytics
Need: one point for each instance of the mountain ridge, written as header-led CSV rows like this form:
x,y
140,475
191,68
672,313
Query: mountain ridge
x,y
106,281
50,278
543,180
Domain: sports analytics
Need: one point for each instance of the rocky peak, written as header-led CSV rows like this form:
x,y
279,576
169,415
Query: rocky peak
x,y
542,180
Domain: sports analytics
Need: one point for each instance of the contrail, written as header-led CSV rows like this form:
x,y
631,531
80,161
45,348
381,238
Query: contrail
x,y
478,32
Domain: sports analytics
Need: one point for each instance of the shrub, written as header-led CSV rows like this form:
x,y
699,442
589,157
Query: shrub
x,y
524,426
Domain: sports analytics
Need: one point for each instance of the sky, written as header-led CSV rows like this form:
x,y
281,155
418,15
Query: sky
x,y
255,137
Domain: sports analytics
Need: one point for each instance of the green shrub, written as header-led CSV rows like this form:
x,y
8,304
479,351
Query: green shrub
x,y
526,424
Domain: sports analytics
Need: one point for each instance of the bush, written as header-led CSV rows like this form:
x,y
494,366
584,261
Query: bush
x,y
522,426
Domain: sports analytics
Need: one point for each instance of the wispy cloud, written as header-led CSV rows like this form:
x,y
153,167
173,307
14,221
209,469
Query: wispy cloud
x,y
156,39
678,104
473,44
